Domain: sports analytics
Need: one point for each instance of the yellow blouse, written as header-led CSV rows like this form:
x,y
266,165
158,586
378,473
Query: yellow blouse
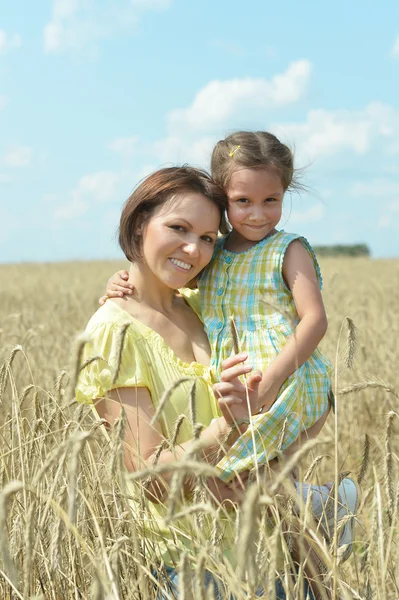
x,y
147,361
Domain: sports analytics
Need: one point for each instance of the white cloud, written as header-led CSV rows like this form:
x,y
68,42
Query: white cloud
x,y
5,178
377,188
220,101
395,48
91,188
193,131
151,4
9,41
78,23
75,208
3,101
385,193
181,149
125,146
326,133
311,215
101,185
20,156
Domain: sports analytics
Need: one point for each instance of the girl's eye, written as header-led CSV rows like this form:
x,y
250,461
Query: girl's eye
x,y
177,227
270,200
243,200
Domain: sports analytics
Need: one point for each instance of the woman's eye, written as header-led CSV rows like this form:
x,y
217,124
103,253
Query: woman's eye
x,y
177,227
208,239
270,200
243,200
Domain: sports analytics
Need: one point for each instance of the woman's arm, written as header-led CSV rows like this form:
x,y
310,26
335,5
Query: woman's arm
x,y
300,276
142,439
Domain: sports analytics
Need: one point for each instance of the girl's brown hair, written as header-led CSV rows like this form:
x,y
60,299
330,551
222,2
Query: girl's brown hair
x,y
252,150
155,191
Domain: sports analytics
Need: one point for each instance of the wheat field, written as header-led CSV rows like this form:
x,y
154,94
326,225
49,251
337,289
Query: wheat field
x,y
67,529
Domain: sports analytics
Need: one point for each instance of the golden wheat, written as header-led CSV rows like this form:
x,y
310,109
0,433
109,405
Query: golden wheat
x,y
68,528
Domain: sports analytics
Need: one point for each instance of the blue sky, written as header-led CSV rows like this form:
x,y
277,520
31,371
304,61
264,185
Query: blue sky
x,y
95,94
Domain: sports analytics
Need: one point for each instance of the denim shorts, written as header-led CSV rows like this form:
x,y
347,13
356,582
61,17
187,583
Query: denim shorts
x,y
210,580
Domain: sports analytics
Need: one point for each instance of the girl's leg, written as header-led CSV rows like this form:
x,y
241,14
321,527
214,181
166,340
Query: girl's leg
x,y
170,581
323,509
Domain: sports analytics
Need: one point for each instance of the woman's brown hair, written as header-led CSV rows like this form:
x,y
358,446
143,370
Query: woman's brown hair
x,y
153,192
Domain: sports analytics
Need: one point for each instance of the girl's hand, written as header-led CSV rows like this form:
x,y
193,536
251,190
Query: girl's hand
x,y
232,393
117,286
268,392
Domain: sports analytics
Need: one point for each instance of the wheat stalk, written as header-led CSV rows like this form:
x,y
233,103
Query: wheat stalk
x,y
5,496
248,528
236,346
166,396
351,343
363,385
365,459
120,342
388,464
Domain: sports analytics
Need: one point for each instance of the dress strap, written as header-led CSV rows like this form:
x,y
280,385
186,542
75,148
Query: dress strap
x,y
286,239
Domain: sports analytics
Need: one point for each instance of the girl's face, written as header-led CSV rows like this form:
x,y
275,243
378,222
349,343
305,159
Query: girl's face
x,y
179,239
255,201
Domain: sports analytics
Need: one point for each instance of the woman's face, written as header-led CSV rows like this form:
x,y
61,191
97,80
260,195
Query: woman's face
x,y
179,238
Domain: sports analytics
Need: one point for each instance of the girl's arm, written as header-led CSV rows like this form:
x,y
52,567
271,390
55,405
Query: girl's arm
x,y
142,440
300,276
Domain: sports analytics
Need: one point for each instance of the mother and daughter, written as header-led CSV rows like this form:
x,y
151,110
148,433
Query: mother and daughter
x,y
268,280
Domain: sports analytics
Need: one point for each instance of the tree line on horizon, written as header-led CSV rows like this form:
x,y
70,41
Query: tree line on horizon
x,y
343,250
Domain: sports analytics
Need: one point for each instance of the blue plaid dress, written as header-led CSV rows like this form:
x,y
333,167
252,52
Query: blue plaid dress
x,y
250,287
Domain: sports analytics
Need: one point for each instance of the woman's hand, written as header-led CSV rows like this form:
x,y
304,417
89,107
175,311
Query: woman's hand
x,y
117,286
233,395
228,492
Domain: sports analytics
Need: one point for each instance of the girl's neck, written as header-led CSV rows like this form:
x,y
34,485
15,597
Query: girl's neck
x,y
150,291
237,243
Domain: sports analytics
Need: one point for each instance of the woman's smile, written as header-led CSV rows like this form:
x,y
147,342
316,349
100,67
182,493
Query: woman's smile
x,y
181,264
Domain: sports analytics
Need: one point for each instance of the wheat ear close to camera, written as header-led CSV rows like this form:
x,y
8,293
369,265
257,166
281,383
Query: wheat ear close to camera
x,y
336,465
236,345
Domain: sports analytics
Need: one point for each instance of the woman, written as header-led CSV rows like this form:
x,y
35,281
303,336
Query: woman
x,y
154,341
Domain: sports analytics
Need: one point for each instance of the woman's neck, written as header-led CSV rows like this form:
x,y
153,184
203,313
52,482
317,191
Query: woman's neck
x,y
149,290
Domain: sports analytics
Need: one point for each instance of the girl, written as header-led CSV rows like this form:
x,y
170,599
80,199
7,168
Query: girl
x,y
269,281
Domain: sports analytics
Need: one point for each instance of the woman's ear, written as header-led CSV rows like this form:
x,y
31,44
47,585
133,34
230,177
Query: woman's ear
x,y
139,226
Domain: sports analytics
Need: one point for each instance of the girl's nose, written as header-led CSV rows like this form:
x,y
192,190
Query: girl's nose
x,y
257,214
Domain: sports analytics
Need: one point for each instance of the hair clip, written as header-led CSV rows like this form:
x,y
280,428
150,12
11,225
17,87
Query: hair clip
x,y
234,151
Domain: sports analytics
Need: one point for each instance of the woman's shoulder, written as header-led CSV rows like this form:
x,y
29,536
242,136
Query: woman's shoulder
x,y
110,318
114,355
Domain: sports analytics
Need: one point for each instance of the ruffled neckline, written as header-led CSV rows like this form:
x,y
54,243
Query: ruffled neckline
x,y
166,350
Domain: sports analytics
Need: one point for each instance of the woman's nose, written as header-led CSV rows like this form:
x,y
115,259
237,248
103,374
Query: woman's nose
x,y
191,248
